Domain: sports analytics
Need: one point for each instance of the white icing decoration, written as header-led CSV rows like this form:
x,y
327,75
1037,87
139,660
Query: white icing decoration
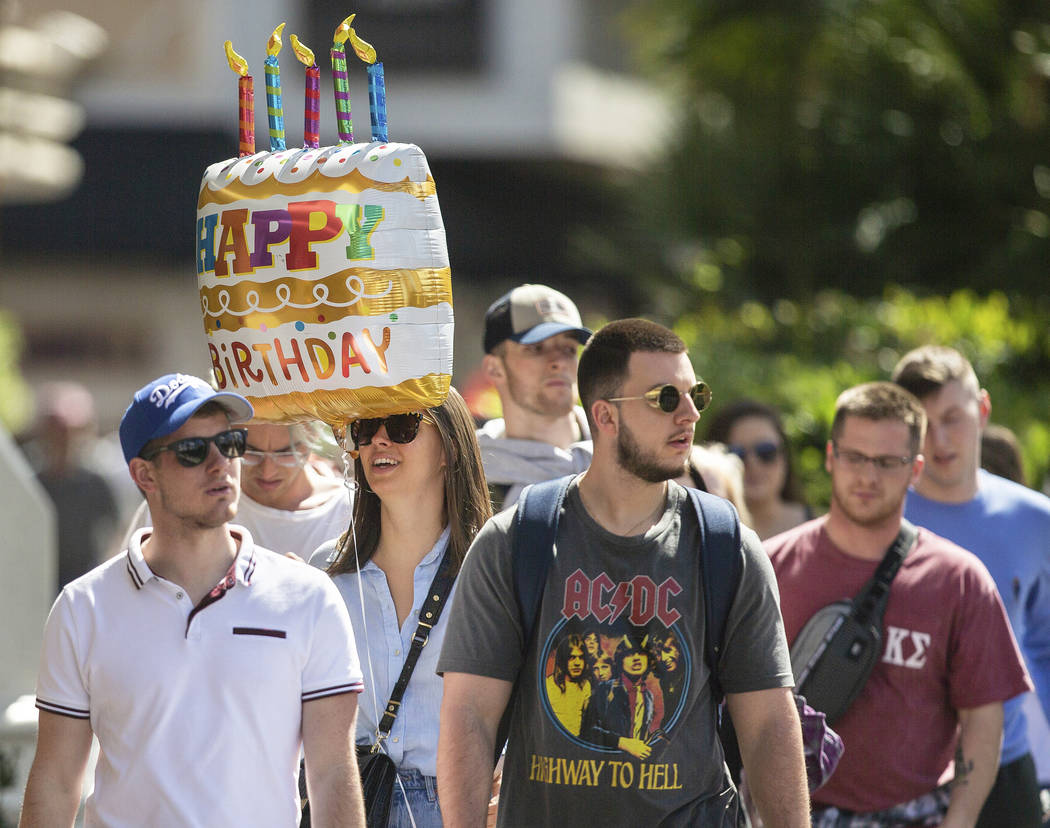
x,y
320,291
392,163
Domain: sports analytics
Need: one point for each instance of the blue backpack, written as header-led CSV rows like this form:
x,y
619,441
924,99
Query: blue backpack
x,y
721,562
721,566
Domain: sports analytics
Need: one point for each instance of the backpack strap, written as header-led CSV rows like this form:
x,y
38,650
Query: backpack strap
x,y
721,567
533,547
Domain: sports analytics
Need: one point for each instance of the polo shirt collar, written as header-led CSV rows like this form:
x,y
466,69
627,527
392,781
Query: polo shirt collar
x,y
243,566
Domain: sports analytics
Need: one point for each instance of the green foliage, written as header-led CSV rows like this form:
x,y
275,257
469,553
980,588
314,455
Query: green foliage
x,y
15,401
847,144
799,357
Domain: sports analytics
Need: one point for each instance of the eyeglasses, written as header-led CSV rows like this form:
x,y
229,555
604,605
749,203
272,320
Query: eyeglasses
x,y
767,451
884,462
400,428
667,397
192,451
289,459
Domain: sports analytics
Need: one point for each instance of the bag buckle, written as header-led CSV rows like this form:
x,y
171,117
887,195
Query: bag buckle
x,y
421,637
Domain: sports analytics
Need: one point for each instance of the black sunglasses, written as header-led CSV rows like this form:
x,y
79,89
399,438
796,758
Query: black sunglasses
x,y
667,397
766,451
192,451
400,428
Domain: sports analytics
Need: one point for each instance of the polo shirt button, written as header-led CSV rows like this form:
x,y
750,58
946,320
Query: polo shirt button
x,y
395,738
178,595
397,652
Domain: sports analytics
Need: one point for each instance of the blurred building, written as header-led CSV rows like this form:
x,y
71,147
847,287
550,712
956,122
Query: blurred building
x,y
523,109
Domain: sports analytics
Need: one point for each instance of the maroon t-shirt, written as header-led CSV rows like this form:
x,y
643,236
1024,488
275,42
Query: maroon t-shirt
x,y
947,646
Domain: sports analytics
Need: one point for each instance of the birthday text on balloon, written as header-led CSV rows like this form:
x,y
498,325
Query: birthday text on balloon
x,y
292,358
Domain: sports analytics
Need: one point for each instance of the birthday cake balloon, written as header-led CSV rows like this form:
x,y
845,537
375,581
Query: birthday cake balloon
x,y
323,272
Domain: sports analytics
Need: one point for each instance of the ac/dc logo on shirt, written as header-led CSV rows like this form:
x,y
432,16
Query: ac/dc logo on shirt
x,y
615,669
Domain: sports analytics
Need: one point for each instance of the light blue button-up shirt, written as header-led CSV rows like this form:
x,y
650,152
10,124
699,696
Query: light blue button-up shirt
x,y
383,647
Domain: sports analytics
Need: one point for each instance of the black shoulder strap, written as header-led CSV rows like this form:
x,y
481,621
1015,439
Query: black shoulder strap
x,y
721,565
533,546
870,602
429,614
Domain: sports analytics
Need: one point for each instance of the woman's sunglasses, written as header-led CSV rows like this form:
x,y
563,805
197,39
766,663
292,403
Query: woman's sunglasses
x,y
192,451
667,397
400,428
765,451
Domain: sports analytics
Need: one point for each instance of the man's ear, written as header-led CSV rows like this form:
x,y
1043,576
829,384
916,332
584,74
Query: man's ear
x,y
492,366
143,474
606,417
984,406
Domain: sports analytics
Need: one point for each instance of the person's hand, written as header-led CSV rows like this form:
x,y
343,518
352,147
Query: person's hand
x,y
294,557
497,781
636,747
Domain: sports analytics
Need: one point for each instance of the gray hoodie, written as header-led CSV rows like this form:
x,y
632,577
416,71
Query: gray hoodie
x,y
512,464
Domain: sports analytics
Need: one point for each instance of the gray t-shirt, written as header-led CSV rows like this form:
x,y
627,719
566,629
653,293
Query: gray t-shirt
x,y
614,720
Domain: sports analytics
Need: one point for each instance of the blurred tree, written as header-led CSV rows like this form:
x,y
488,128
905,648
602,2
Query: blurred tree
x,y
800,356
845,143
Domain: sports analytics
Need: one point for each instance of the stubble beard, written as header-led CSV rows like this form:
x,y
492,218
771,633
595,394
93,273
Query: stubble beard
x,y
870,519
641,463
212,519
536,403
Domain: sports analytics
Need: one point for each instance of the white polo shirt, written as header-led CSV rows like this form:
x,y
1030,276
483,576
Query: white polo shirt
x,y
198,710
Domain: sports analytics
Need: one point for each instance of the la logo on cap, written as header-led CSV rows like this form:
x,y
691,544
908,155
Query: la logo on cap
x,y
164,395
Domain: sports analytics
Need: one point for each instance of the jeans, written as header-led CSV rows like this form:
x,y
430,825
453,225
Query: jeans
x,y
419,797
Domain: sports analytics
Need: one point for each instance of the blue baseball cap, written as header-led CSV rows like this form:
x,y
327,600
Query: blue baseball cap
x,y
166,404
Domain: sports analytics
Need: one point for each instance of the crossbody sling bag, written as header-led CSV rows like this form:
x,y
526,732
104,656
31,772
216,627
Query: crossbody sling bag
x,y
378,772
836,650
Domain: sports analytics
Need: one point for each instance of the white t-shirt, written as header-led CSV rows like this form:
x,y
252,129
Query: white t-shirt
x,y
198,710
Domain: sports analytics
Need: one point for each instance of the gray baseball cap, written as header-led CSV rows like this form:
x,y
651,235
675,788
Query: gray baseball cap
x,y
532,313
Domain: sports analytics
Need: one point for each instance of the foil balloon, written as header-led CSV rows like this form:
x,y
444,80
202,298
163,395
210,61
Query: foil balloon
x,y
323,272
324,282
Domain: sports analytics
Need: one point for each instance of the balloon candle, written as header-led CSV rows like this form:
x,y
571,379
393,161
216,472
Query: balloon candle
x,y
312,96
245,100
341,83
274,102
376,85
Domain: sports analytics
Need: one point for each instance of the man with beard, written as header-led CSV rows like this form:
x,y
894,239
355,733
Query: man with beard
x,y
950,659
532,336
627,554
569,686
1004,524
202,662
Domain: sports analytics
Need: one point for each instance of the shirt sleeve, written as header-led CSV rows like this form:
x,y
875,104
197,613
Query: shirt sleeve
x,y
484,635
985,665
1036,640
755,654
332,666
60,684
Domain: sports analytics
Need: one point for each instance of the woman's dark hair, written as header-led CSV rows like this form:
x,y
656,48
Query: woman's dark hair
x,y
467,504
722,422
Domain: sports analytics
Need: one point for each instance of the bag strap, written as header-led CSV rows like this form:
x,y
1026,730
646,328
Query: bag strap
x,y
870,603
533,548
429,614
721,567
